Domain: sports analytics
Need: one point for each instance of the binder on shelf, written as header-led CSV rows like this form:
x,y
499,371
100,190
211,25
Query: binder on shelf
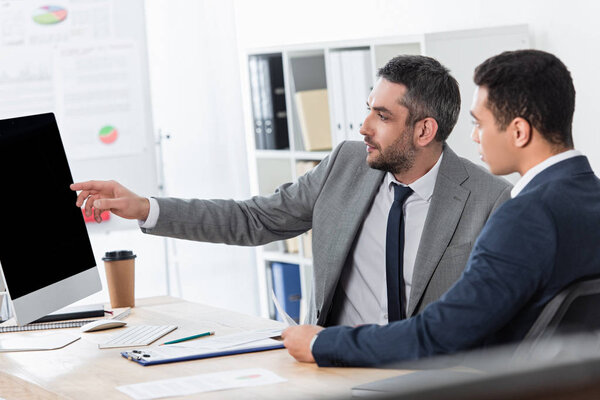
x,y
268,101
350,84
287,289
335,83
277,96
313,114
255,94
357,83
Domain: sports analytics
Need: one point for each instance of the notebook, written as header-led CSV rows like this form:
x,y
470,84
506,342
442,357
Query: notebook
x,y
11,326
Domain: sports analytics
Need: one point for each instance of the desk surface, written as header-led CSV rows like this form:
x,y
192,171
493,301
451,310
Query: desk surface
x,y
81,370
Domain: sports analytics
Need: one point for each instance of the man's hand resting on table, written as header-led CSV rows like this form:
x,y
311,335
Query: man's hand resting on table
x,y
110,196
297,340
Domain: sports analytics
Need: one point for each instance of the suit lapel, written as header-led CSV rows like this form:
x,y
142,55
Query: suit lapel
x,y
447,204
352,215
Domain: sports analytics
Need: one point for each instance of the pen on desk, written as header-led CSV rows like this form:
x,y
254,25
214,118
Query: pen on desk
x,y
188,338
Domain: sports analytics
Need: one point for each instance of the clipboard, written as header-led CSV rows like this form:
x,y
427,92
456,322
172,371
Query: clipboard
x,y
172,353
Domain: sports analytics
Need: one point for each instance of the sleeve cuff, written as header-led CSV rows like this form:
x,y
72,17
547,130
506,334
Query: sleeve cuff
x,y
150,222
312,342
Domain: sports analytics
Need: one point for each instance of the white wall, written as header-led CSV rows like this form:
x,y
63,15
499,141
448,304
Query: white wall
x,y
195,89
568,29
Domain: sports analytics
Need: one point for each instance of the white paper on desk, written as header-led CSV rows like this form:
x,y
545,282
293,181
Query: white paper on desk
x,y
19,342
229,341
289,320
200,383
170,352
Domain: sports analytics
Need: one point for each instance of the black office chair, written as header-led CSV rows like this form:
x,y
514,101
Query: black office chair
x,y
568,328
575,309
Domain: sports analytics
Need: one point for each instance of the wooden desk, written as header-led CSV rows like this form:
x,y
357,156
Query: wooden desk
x,y
82,371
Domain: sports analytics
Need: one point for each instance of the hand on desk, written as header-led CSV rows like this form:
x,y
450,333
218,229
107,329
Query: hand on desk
x,y
296,340
110,196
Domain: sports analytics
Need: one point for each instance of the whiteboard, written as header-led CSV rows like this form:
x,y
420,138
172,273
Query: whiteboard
x,y
86,61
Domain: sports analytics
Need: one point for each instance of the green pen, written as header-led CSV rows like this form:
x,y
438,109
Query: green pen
x,y
189,338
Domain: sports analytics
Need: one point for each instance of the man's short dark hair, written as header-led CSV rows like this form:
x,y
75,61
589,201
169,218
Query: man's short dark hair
x,y
533,85
431,91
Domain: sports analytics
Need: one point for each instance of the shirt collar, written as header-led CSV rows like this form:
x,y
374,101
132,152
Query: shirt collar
x,y
423,187
532,172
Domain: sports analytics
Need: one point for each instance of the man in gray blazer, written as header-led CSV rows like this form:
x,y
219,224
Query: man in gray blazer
x,y
346,201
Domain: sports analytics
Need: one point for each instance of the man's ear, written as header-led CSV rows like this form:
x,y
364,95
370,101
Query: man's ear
x,y
425,131
520,130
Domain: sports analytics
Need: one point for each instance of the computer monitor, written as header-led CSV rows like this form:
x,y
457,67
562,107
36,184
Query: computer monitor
x,y
45,252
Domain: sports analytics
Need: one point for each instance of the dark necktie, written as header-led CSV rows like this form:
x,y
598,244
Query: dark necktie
x,y
394,250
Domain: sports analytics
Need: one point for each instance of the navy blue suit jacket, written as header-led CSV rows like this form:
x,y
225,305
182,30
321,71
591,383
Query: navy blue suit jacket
x,y
532,247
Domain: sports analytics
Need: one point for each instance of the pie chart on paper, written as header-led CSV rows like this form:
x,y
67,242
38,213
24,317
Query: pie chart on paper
x,y
48,15
108,134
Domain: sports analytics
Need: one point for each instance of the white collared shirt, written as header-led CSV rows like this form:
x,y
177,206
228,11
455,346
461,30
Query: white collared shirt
x,y
532,172
364,297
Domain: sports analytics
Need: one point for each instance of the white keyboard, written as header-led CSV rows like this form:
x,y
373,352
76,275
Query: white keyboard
x,y
141,335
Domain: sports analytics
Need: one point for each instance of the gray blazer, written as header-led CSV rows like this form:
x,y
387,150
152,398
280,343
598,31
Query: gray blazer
x,y
333,199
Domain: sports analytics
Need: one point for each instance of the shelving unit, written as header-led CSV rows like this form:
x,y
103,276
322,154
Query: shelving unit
x,y
347,69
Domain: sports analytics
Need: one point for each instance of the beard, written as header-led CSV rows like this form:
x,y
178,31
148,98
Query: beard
x,y
398,157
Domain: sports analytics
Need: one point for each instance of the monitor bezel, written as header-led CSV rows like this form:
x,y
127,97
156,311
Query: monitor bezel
x,y
42,302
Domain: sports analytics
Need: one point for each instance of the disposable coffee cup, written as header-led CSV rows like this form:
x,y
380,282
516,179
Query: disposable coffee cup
x,y
120,277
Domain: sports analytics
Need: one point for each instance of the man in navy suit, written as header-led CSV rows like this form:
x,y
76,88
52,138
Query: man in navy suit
x,y
546,237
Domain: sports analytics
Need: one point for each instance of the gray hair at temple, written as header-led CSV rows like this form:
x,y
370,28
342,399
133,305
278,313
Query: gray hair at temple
x,y
431,91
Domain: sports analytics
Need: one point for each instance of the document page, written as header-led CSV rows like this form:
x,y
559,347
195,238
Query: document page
x,y
43,341
200,383
289,320
228,341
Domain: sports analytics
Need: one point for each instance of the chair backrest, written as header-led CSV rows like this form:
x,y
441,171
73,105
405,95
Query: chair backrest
x,y
575,309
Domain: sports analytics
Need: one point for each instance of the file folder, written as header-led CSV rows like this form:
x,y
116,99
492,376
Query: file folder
x,y
268,101
313,114
287,288
171,354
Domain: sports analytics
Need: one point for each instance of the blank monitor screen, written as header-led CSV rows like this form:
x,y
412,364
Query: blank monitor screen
x,y
44,238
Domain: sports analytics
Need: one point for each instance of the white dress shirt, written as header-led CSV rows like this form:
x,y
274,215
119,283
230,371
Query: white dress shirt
x,y
529,175
364,296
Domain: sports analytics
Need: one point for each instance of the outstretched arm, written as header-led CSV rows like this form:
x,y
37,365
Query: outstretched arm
x,y
259,220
